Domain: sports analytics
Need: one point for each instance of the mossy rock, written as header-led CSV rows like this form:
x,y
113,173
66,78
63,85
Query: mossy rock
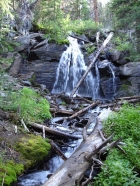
x,y
9,172
28,150
32,149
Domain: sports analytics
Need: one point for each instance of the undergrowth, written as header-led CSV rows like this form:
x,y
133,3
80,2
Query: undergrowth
x,y
59,30
27,103
122,169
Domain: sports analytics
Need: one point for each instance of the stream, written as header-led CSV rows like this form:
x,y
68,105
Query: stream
x,y
39,176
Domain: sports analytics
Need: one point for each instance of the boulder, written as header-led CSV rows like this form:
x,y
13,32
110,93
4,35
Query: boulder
x,y
15,67
51,52
119,57
130,69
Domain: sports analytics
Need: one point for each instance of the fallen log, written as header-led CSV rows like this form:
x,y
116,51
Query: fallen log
x,y
94,104
128,98
93,62
61,111
52,131
73,168
123,101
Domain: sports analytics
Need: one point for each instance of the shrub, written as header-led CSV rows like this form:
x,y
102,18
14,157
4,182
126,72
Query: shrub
x,y
119,169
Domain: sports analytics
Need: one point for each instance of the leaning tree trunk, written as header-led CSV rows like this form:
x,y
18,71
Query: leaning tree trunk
x,y
73,168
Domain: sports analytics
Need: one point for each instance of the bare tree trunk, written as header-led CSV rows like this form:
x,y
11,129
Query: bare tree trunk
x,y
93,62
96,18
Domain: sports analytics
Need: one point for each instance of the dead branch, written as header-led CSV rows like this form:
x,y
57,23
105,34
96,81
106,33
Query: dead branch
x,y
89,156
109,146
57,150
76,37
83,110
3,178
84,99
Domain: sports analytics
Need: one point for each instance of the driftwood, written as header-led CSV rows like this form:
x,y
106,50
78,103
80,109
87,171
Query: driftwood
x,y
72,170
83,110
93,62
52,131
57,150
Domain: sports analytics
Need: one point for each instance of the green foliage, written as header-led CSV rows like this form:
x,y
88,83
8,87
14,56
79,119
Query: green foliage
x,y
117,172
122,44
33,149
91,49
127,17
31,105
59,30
119,169
9,172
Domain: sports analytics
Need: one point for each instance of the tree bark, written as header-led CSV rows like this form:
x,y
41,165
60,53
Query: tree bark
x,y
96,19
73,168
93,62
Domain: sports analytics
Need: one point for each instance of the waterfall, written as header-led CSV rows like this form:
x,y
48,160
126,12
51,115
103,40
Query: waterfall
x,y
113,78
70,70
72,67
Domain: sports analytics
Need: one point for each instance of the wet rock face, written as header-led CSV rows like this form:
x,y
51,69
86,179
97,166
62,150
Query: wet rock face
x,y
109,88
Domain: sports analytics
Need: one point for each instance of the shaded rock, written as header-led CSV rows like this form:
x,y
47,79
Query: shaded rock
x,y
51,52
15,67
110,86
130,69
119,57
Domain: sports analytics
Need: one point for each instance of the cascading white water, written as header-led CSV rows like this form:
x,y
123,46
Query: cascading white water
x,y
113,78
70,70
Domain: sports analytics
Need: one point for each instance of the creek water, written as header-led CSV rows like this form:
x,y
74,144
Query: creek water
x,y
38,177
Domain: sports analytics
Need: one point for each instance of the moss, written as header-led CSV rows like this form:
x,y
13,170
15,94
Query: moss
x,y
124,87
33,149
9,172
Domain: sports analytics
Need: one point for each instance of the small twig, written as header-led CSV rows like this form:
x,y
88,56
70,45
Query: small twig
x,y
89,156
23,123
15,127
101,134
3,178
84,133
43,129
90,177
98,161
121,149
